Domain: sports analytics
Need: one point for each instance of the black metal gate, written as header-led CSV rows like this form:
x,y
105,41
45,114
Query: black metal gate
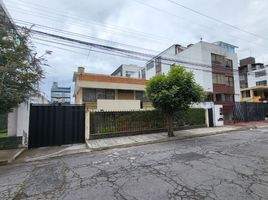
x,y
249,111
210,117
52,125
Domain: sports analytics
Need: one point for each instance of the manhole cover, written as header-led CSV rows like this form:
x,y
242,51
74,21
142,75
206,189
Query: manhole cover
x,y
188,156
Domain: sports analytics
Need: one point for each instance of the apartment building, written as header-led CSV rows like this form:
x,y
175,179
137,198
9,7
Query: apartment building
x,y
214,65
253,80
132,71
60,94
109,93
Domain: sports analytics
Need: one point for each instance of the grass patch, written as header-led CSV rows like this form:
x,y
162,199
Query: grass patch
x,y
3,133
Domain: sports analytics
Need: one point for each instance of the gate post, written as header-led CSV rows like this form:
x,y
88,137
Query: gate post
x,y
246,112
87,124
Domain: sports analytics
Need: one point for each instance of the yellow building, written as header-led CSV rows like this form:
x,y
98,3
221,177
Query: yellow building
x,y
109,93
254,94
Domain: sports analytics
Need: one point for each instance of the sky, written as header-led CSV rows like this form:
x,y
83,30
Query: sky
x,y
153,25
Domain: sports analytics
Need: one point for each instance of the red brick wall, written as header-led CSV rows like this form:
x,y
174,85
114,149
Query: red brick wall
x,y
224,89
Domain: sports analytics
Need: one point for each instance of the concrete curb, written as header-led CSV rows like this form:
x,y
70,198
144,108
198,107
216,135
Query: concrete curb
x,y
57,154
164,140
11,159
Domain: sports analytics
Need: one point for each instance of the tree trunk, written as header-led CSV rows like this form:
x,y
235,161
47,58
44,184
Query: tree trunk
x,y
170,125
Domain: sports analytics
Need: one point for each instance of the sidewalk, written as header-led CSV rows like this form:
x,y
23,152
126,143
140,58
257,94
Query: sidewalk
x,y
7,156
127,141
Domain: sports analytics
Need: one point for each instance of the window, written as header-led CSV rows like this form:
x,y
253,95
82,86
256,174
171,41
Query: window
x,y
141,95
218,59
94,94
260,73
242,77
221,60
229,97
229,81
129,73
229,63
222,79
143,75
218,78
264,83
109,94
150,65
218,97
89,94
100,94
253,67
245,94
158,65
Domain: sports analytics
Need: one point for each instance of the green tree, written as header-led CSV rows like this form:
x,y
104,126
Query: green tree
x,y
174,92
20,68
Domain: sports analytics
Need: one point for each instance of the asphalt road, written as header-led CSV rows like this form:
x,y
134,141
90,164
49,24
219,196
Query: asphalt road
x,y
227,166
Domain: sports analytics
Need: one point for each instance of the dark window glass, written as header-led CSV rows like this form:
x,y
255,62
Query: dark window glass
x,y
150,65
229,97
89,94
141,95
158,65
100,93
260,73
264,83
229,63
218,97
109,94
143,76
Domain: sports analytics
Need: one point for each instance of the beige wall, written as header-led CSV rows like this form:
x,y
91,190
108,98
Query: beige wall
x,y
105,85
118,105
79,97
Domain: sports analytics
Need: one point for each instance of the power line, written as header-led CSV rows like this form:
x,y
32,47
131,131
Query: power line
x,y
81,22
98,39
80,35
217,20
137,54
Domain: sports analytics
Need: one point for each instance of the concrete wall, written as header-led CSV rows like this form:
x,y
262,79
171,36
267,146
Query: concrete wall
x,y
118,105
18,120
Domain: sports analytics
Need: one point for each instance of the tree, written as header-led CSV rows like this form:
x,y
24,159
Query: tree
x,y
174,92
20,68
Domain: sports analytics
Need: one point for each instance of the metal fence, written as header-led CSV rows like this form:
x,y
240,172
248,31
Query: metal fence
x,y
3,122
249,111
140,121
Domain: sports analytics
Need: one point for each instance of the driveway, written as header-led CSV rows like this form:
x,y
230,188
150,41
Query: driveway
x,y
226,166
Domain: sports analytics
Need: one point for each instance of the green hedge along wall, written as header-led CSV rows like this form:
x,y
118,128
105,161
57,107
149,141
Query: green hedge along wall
x,y
138,121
